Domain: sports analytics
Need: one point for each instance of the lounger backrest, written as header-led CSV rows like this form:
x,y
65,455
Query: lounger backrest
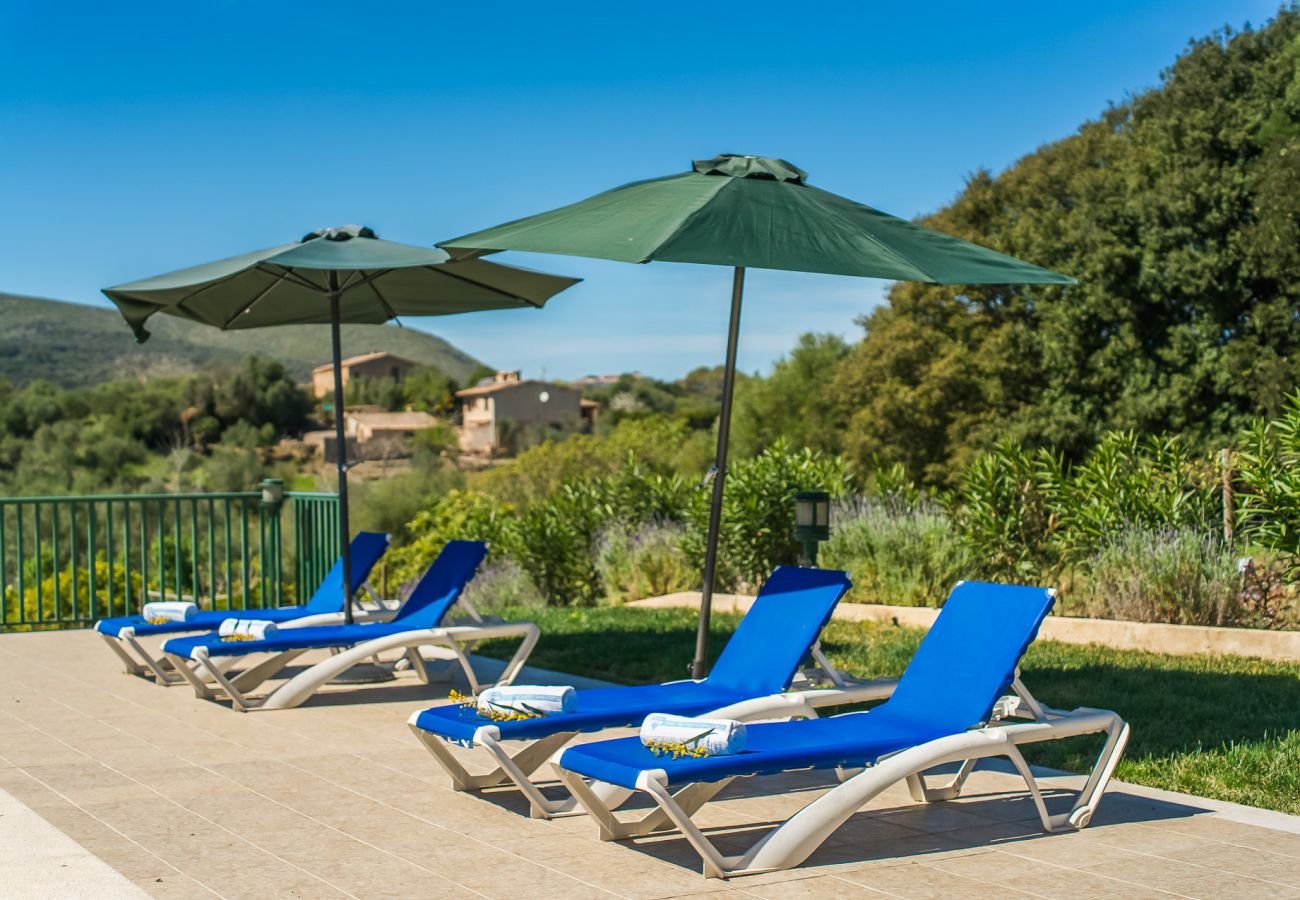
x,y
970,655
366,549
441,585
776,634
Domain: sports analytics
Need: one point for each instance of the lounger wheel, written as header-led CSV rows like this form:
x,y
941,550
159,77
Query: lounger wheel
x,y
1081,817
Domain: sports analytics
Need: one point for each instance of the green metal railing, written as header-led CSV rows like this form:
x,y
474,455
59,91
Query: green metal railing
x,y
67,561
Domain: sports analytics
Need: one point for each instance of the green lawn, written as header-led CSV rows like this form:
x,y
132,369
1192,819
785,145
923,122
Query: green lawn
x,y
1222,727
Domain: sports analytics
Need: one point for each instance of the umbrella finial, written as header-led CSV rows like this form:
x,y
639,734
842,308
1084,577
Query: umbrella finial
x,y
767,168
340,233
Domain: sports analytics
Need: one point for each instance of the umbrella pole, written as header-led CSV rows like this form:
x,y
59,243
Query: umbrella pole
x,y
719,477
341,448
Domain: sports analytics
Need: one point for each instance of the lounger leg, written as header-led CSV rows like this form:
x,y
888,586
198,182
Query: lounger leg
x,y
522,765
237,698
201,689
1086,804
132,667
163,673
516,664
516,769
249,679
921,793
715,864
417,664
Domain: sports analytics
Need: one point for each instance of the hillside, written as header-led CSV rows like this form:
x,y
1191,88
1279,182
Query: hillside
x,y
73,344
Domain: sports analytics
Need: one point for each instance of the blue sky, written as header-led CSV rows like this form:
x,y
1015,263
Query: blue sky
x,y
136,138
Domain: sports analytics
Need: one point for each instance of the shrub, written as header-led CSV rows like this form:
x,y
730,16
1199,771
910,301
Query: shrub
x,y
758,512
904,554
1007,510
1176,576
502,585
390,504
463,515
643,561
75,600
1154,484
1269,470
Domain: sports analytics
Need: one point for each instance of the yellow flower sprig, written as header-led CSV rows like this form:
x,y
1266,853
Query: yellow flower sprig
x,y
679,749
238,637
158,620
499,714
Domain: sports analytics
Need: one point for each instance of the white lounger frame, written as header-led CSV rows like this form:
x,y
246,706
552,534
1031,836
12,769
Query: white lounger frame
x,y
140,662
207,675
520,766
795,840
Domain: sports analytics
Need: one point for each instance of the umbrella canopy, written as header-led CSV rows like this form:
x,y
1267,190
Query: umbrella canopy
x,y
748,212
333,275
376,280
753,212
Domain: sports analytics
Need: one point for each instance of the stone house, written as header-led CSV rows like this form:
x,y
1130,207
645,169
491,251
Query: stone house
x,y
507,402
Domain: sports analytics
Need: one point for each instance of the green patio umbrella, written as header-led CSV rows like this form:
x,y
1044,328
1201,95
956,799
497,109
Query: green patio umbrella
x,y
333,275
748,212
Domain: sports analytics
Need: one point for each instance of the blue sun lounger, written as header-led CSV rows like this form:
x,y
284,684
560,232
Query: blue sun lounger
x,y
122,633
948,707
748,681
417,624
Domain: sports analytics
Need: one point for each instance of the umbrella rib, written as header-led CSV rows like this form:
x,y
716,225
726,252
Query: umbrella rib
x,y
374,286
260,294
289,274
882,245
365,279
439,269
211,284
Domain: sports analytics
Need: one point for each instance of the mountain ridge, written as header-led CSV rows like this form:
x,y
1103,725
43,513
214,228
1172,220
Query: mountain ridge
x,y
75,344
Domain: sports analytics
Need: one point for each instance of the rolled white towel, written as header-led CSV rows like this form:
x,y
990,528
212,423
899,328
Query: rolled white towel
x,y
714,737
169,611
245,629
528,699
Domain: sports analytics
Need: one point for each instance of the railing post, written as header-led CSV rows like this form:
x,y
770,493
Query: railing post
x,y
1229,499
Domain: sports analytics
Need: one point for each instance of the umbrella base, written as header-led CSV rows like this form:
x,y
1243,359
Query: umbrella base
x,y
365,673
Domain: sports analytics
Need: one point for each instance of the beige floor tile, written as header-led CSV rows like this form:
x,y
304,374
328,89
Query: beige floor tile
x,y
923,882
1071,884
821,887
1247,861
174,887
1226,886
1151,871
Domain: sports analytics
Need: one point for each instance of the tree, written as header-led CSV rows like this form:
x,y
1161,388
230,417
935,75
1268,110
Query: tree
x,y
793,402
1178,212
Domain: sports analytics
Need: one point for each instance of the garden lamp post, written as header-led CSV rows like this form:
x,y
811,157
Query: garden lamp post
x,y
812,522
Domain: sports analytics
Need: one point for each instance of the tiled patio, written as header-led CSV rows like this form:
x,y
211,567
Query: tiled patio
x,y
187,798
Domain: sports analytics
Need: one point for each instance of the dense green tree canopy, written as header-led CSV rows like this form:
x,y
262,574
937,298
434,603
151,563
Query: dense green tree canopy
x,y
1178,213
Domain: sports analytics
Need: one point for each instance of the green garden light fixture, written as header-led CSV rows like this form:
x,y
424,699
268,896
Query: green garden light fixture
x,y
812,522
272,493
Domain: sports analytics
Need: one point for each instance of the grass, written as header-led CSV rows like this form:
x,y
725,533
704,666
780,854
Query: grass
x,y
1223,727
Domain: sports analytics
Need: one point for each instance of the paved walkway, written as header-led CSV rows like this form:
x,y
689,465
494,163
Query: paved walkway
x,y
186,798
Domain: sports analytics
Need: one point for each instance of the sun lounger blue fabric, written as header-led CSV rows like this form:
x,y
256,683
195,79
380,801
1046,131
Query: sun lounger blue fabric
x,y
964,664
366,549
435,593
760,659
